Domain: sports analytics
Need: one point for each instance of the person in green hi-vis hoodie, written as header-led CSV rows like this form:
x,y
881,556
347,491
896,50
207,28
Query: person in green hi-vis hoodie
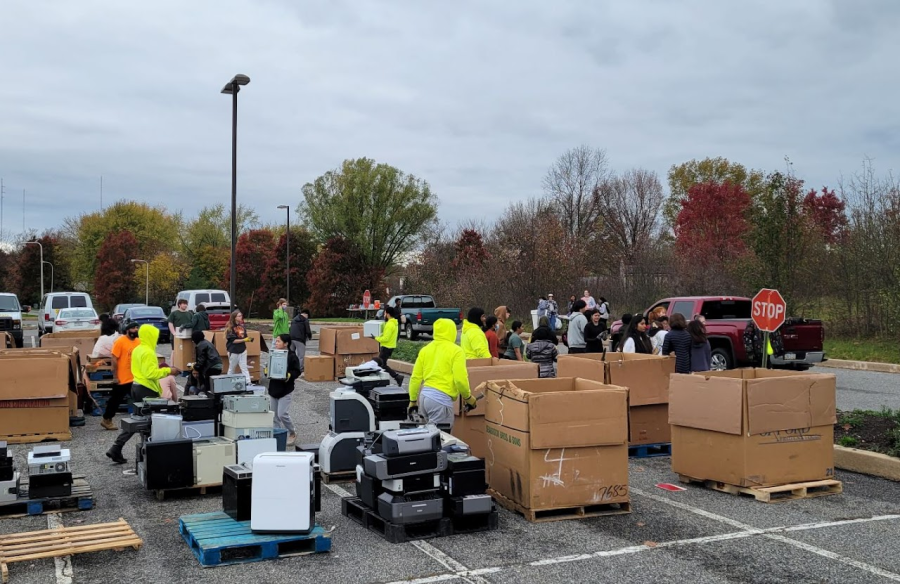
x,y
281,322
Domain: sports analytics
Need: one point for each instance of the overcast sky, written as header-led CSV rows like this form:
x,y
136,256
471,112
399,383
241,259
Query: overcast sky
x,y
478,98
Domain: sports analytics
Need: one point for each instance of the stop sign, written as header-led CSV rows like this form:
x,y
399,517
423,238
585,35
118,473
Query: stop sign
x,y
367,299
768,310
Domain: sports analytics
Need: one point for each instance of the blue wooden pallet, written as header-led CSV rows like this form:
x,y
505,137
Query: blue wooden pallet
x,y
650,450
218,540
100,375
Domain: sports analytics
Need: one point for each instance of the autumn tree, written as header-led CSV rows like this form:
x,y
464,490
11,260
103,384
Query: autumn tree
x,y
303,250
709,170
253,250
338,279
377,208
25,276
572,184
114,275
168,274
470,252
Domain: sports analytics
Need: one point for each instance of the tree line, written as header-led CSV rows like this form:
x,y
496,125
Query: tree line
x,y
719,228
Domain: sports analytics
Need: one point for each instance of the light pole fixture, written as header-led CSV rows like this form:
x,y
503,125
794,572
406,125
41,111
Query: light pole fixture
x,y
287,247
38,243
232,88
147,288
51,273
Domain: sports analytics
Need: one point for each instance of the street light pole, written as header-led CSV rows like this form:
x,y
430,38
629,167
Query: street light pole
x,y
233,87
287,253
38,243
147,288
51,273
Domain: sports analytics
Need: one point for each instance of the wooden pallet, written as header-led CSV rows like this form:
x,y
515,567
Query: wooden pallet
x,y
199,490
65,541
561,513
81,499
650,450
29,438
339,477
776,494
218,540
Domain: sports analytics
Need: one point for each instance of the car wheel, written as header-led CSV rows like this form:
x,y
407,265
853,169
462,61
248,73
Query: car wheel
x,y
720,360
410,333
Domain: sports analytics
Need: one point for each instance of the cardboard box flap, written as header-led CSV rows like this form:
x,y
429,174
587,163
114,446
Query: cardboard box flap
x,y
582,366
470,363
646,377
706,402
478,376
788,403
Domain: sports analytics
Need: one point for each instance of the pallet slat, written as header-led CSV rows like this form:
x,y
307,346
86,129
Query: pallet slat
x,y
561,513
32,438
339,477
650,450
776,493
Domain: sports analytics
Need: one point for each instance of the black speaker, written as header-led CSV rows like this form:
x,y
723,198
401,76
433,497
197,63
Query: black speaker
x,y
168,464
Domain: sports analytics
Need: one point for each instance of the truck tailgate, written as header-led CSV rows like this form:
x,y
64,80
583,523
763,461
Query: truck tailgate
x,y
801,335
429,315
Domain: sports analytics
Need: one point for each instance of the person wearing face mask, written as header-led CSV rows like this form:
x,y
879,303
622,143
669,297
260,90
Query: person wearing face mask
x,y
281,321
121,365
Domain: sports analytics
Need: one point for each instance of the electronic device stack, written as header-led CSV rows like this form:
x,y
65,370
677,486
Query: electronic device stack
x,y
418,482
367,402
49,482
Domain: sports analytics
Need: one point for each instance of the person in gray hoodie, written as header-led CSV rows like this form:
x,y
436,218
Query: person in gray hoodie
x,y
577,323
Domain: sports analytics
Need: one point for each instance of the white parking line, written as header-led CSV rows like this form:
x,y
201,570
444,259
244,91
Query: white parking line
x,y
65,574
782,539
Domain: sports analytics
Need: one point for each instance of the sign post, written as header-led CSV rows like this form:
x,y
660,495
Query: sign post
x,y
768,313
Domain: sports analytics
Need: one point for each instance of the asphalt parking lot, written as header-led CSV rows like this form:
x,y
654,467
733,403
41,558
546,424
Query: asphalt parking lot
x,y
694,535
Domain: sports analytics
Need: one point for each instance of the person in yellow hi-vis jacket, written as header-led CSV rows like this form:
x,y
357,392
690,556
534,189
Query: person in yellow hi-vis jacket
x,y
440,376
472,339
388,342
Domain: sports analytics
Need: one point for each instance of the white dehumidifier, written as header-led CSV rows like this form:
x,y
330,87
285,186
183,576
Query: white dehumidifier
x,y
282,498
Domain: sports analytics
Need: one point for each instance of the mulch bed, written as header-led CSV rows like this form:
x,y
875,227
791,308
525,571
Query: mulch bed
x,y
871,431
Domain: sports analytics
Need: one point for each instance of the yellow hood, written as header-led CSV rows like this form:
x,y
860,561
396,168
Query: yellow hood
x,y
149,336
445,330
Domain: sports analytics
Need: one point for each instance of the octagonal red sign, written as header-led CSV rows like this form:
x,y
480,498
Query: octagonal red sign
x,y
768,310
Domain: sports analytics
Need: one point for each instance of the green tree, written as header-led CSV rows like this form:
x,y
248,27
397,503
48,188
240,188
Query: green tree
x,y
709,170
212,227
380,210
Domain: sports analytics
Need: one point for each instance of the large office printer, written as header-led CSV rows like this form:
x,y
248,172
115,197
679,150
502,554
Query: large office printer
x,y
352,417
363,380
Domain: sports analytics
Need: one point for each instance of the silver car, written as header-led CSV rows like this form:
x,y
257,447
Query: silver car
x,y
76,319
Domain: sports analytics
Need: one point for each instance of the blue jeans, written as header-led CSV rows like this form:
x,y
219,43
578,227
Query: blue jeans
x,y
553,322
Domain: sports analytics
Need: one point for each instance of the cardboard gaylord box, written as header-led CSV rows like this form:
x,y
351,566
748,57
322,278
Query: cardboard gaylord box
x,y
554,443
84,341
346,340
218,339
34,394
318,368
753,427
645,376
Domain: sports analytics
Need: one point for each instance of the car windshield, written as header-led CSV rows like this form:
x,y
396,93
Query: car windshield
x,y
9,304
77,313
149,312
120,309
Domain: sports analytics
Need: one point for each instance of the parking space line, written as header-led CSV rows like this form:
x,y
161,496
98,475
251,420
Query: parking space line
x,y
782,539
65,574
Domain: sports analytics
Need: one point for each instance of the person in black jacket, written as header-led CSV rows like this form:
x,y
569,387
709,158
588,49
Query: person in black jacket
x,y
200,320
207,363
280,389
593,333
678,341
300,333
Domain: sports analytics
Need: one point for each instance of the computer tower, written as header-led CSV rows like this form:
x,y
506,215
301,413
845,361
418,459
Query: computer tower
x,y
197,408
168,464
278,364
283,493
246,404
237,482
211,456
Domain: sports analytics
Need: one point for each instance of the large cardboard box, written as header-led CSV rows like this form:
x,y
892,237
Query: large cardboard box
x,y
470,429
555,443
218,339
34,393
753,427
482,370
341,362
646,376
649,424
185,352
318,368
65,340
347,340
38,417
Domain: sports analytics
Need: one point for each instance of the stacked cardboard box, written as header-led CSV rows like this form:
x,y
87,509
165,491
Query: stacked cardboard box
x,y
64,341
753,427
318,368
469,426
647,380
34,395
557,443
218,339
348,346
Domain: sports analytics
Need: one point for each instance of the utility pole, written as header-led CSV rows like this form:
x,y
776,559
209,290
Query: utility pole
x,y
1,209
101,192
23,211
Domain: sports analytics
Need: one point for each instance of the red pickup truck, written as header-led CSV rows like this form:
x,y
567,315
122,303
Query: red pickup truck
x,y
727,318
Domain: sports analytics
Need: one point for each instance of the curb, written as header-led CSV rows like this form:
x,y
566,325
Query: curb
x,y
860,366
400,366
865,462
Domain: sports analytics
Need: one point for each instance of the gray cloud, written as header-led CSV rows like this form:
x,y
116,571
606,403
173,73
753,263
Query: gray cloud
x,y
477,98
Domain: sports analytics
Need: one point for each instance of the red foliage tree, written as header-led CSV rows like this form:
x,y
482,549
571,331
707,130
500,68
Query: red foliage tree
x,y
338,279
253,250
470,251
827,213
114,275
712,224
303,250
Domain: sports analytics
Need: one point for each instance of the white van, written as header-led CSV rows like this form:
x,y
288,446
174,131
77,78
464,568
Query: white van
x,y
52,303
11,317
208,298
